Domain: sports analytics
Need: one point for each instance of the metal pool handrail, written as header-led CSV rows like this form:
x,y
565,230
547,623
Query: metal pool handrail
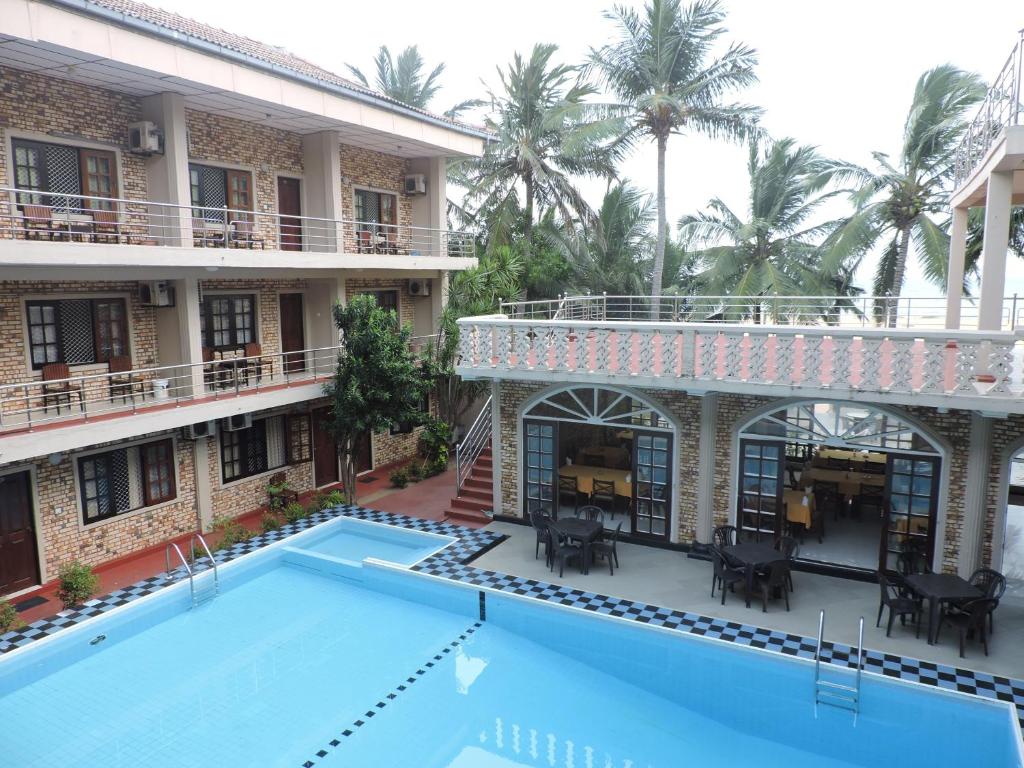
x,y
167,559
832,693
213,562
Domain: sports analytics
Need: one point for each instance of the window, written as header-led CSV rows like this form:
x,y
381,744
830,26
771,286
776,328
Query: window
x,y
375,207
61,170
270,443
213,189
228,322
76,331
125,479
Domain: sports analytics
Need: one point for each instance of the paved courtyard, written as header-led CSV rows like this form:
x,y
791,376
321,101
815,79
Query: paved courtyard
x,y
672,580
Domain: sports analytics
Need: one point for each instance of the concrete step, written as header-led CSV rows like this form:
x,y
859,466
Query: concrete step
x,y
459,515
470,504
474,482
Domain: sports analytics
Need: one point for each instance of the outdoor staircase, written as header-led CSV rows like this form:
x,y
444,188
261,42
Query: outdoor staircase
x,y
476,494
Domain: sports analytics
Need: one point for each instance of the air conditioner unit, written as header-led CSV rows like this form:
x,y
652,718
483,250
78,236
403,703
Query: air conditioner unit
x,y
416,184
156,293
199,431
236,422
145,139
419,287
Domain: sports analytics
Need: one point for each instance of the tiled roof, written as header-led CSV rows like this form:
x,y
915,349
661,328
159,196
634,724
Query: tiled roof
x,y
269,54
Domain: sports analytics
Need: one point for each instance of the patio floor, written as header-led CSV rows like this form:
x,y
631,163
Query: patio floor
x,y
670,579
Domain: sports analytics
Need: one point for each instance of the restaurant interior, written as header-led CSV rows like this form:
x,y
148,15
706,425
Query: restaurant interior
x,y
595,467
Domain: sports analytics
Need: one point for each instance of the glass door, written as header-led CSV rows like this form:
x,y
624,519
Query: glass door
x,y
539,464
911,499
652,484
759,506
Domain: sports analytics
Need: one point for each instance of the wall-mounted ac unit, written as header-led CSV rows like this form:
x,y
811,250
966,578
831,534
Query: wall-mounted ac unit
x,y
416,184
156,293
145,138
200,430
236,422
419,287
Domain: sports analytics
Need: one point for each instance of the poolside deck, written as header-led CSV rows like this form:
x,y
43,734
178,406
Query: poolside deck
x,y
672,580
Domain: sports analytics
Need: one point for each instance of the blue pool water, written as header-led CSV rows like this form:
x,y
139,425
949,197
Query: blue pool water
x,y
303,644
353,540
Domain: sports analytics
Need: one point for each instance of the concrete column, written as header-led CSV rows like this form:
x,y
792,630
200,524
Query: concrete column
x,y
189,308
955,269
993,253
706,467
321,163
167,174
204,489
979,460
438,299
431,210
497,503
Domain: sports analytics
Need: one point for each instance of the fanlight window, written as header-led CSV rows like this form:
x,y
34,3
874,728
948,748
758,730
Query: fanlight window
x,y
593,405
841,424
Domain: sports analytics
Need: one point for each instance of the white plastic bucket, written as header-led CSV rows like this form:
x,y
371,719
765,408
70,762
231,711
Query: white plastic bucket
x,y
160,387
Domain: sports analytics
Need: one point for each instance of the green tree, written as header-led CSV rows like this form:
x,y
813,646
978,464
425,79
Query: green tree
x,y
897,203
405,79
774,249
377,382
661,69
976,238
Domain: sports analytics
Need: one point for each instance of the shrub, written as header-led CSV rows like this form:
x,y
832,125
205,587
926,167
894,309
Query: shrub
x,y
232,532
270,522
415,472
399,478
434,442
435,467
8,617
294,512
77,583
277,494
333,499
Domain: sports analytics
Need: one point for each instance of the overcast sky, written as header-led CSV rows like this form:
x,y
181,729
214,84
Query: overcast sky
x,y
837,75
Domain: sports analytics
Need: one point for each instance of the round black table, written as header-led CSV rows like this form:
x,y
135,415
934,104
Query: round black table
x,y
581,530
752,556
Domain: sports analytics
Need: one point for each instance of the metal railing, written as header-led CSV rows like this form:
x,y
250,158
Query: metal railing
x,y
36,215
472,445
828,311
829,691
33,403
1001,108
190,569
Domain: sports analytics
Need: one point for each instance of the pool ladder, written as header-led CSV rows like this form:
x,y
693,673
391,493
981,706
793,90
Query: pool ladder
x,y
833,693
201,597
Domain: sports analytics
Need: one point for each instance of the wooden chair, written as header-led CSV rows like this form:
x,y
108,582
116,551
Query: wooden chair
x,y
122,385
56,390
364,241
603,496
37,220
244,235
206,233
253,364
106,225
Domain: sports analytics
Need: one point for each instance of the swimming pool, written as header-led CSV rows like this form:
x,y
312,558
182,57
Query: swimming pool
x,y
311,657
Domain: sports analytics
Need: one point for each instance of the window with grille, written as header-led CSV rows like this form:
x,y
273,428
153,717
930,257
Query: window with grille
x,y
76,331
300,447
214,189
126,479
264,446
228,322
61,173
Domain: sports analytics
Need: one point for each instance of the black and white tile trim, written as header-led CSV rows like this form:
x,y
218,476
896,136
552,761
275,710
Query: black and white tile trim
x,y
392,695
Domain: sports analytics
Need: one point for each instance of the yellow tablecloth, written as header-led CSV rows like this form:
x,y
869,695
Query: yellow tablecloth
x,y
847,455
799,506
849,483
585,477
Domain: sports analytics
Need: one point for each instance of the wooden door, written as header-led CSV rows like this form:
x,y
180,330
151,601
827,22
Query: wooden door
x,y
364,454
325,449
293,338
540,470
652,484
289,206
911,504
759,500
19,560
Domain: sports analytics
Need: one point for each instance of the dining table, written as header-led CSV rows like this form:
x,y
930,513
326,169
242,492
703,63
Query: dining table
x,y
586,475
582,530
849,483
938,588
751,556
799,506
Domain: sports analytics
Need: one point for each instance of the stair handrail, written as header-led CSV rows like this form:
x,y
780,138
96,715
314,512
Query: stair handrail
x,y
167,561
472,445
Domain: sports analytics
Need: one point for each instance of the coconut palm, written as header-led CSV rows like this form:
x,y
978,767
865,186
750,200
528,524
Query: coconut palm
x,y
897,203
662,70
774,249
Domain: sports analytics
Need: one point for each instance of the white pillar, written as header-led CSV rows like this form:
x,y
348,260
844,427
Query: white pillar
x,y
189,309
497,502
979,460
993,254
167,174
204,489
955,269
321,165
706,467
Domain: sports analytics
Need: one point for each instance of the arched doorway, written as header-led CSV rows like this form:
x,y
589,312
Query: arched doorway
x,y
1012,559
859,485
615,447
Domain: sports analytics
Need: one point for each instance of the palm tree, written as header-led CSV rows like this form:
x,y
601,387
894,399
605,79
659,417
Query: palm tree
x,y
546,133
775,248
662,70
898,203
403,79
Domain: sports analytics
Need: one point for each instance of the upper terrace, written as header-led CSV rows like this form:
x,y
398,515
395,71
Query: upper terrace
x,y
772,346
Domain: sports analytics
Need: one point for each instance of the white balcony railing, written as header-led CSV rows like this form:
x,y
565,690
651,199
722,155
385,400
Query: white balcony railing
x,y
923,367
1001,108
927,312
35,215
32,404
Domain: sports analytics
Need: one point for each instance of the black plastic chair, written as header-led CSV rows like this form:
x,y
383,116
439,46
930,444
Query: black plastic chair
x,y
724,574
777,577
603,496
563,550
724,536
969,618
568,490
590,512
993,585
606,547
911,562
540,521
894,595
788,547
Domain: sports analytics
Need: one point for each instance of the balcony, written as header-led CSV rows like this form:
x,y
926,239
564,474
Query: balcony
x,y
237,237
708,344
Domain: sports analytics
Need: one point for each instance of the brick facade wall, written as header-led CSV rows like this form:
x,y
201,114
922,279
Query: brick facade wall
x,y
269,306
383,173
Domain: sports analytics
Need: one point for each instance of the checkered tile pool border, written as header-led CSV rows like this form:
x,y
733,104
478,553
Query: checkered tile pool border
x,y
453,563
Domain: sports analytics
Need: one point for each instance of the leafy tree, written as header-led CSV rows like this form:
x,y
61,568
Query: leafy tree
x,y
661,69
976,238
377,382
897,203
774,249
